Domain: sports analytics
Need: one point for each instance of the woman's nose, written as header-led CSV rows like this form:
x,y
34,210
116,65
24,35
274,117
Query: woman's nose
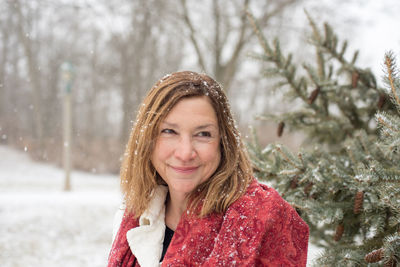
x,y
185,149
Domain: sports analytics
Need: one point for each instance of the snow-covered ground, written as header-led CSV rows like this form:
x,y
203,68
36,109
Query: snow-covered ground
x,y
41,225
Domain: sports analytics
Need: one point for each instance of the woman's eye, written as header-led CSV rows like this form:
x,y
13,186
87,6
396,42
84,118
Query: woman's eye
x,y
168,131
204,134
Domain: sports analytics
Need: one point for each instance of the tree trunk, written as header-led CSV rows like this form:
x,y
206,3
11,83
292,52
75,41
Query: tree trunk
x,y
33,71
3,63
133,51
126,93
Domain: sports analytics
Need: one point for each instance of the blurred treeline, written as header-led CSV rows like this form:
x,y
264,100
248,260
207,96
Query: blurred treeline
x,y
118,49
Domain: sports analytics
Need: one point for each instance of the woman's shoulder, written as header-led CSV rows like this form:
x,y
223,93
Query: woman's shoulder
x,y
260,201
258,193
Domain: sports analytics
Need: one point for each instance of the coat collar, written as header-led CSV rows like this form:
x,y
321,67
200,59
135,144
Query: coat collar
x,y
146,240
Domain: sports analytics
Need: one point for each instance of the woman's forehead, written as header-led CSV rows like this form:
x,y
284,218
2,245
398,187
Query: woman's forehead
x,y
193,108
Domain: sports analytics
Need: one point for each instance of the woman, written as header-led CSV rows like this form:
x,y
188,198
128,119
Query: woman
x,y
190,196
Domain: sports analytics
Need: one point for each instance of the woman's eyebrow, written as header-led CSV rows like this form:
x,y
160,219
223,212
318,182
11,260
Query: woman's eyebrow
x,y
200,127
168,124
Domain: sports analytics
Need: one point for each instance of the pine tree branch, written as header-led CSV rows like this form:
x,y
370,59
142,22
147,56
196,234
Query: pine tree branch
x,y
383,122
287,159
257,30
285,65
390,67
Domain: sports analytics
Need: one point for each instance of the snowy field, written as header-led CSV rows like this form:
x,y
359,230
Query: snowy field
x,y
40,225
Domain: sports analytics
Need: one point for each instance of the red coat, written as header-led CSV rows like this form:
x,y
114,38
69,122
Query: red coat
x,y
259,229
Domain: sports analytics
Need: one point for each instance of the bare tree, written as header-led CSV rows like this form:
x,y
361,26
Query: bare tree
x,y
34,74
115,64
142,56
5,24
220,48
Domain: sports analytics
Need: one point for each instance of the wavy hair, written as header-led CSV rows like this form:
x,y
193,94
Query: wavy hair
x,y
139,177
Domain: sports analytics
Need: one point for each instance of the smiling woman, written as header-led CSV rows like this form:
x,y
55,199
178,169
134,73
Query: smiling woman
x,y
190,196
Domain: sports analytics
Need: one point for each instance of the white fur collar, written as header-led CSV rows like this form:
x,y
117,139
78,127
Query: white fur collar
x,y
146,240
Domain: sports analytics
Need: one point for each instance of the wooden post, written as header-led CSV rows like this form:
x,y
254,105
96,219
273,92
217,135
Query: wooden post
x,y
67,125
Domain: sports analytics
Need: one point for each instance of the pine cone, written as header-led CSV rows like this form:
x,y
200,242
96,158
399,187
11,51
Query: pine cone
x,y
374,256
281,126
307,188
294,183
355,76
381,101
358,202
339,232
313,95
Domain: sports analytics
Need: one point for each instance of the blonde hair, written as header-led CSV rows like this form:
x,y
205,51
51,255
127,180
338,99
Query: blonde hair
x,y
138,176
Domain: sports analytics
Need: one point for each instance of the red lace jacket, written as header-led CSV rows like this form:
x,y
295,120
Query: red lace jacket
x,y
259,229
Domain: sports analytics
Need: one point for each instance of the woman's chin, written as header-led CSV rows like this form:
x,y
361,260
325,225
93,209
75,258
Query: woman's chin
x,y
184,189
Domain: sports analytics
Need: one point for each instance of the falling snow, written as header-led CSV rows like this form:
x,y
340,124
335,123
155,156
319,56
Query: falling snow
x,y
43,226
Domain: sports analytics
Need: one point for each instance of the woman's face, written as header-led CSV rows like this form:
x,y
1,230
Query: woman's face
x,y
187,150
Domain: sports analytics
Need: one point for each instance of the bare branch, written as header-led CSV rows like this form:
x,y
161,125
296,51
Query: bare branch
x,y
231,65
192,35
278,9
217,43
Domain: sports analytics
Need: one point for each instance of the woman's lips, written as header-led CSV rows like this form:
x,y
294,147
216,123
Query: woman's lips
x,y
184,169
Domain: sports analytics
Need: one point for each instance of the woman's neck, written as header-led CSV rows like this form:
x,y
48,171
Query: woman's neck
x,y
175,207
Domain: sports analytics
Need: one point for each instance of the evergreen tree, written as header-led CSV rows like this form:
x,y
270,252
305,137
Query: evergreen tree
x,y
345,180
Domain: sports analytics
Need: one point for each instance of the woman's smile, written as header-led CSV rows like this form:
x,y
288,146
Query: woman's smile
x,y
186,170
